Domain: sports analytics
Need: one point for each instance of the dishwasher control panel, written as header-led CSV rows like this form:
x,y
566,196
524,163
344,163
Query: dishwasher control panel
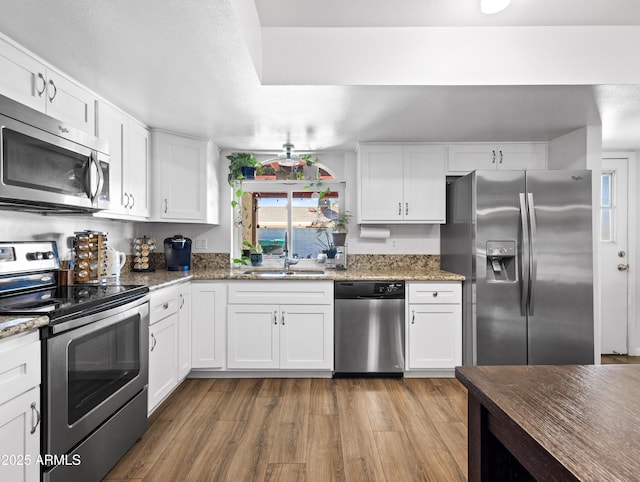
x,y
388,288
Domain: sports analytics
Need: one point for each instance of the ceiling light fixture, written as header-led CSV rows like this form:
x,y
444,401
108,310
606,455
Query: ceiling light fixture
x,y
493,6
287,157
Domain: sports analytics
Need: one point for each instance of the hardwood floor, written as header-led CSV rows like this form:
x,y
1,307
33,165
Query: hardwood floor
x,y
619,359
367,429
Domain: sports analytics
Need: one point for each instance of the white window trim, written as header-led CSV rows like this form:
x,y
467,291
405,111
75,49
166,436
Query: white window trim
x,y
288,186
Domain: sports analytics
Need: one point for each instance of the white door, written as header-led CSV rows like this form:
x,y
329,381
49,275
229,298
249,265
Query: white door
x,y
613,239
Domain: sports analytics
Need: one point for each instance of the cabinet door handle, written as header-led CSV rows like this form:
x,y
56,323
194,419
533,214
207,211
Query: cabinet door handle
x,y
181,301
283,318
166,205
413,317
275,317
399,209
126,196
406,209
35,415
44,85
493,160
501,156
133,201
153,339
55,90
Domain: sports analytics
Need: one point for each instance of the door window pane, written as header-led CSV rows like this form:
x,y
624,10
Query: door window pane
x,y
606,208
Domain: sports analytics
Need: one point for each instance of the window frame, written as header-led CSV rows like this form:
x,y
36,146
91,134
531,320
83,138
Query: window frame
x,y
289,187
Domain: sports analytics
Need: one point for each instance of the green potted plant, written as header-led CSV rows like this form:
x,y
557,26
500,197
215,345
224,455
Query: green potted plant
x,y
242,165
255,253
309,169
341,228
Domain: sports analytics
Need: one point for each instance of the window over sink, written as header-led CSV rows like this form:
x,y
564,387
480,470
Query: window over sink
x,y
302,211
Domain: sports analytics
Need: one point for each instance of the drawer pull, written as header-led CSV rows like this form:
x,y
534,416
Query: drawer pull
x,y
435,294
165,306
35,415
413,317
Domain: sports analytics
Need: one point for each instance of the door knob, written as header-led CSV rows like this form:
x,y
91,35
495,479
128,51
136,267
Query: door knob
x,y
623,267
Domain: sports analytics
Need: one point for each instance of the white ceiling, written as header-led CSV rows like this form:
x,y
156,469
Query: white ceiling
x,y
185,66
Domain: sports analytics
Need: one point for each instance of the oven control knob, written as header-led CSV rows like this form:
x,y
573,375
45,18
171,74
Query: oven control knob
x,y
37,256
49,255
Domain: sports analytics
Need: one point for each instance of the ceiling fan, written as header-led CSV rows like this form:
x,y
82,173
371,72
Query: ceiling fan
x,y
287,157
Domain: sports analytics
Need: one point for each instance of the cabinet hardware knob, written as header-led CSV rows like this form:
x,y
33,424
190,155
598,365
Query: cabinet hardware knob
x,y
165,306
153,339
275,317
55,90
406,211
181,300
623,267
283,318
133,201
399,209
35,414
166,205
126,196
501,156
435,294
44,85
413,317
493,160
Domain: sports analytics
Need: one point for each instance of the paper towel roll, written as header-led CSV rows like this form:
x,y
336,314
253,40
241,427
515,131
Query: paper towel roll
x,y
374,233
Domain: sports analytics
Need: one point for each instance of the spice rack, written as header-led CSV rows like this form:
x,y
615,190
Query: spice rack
x,y
90,259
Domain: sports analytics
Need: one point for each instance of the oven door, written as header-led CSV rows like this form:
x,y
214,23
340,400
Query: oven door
x,y
92,371
39,167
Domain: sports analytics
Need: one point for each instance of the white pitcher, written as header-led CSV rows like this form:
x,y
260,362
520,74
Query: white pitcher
x,y
114,262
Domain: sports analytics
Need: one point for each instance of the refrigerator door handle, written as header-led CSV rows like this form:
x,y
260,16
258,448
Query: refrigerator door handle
x,y
534,258
524,258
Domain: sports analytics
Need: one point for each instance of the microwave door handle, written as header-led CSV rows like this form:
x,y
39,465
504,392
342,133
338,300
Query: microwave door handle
x,y
100,175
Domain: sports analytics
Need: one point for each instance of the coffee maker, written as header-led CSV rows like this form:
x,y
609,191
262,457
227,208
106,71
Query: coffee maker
x,y
177,253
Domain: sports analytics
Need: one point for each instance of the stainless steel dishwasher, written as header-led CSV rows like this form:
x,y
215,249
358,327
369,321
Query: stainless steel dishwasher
x,y
369,328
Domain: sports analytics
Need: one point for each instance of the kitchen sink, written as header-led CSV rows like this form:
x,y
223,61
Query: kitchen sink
x,y
281,273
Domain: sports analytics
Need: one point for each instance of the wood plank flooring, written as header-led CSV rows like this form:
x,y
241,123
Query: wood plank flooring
x,y
360,429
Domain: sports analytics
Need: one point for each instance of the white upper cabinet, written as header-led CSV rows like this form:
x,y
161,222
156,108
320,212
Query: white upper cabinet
x,y
464,158
401,183
185,181
29,81
129,171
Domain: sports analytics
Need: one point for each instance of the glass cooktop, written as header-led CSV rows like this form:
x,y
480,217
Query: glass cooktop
x,y
59,301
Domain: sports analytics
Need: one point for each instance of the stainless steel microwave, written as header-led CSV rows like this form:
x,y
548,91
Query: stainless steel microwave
x,y
48,165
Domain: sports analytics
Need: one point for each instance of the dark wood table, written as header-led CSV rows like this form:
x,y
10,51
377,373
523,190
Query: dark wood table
x,y
553,422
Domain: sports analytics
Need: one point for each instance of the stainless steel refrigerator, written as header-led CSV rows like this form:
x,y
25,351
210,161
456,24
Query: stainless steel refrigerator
x,y
523,240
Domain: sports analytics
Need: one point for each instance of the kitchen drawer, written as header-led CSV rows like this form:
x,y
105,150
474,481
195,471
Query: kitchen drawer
x,y
164,302
19,364
435,293
281,292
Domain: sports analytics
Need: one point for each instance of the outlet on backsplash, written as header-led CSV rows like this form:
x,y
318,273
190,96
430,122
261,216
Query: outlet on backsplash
x,y
201,243
393,244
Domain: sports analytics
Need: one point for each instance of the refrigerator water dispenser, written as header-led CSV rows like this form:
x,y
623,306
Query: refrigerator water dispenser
x,y
501,261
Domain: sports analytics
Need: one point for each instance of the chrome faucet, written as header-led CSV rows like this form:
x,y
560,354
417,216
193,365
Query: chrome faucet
x,y
287,261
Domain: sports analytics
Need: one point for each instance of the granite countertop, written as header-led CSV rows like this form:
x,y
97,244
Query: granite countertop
x,y
162,279
12,325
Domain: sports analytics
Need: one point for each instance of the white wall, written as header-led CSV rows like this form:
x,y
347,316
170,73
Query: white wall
x,y
17,226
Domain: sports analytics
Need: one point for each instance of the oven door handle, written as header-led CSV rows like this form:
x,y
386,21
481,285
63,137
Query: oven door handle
x,y
35,414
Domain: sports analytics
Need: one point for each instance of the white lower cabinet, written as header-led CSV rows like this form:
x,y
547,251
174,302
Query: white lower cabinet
x,y
169,341
434,326
208,324
20,407
286,335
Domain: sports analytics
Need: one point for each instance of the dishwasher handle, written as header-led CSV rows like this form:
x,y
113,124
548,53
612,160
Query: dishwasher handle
x,y
375,297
